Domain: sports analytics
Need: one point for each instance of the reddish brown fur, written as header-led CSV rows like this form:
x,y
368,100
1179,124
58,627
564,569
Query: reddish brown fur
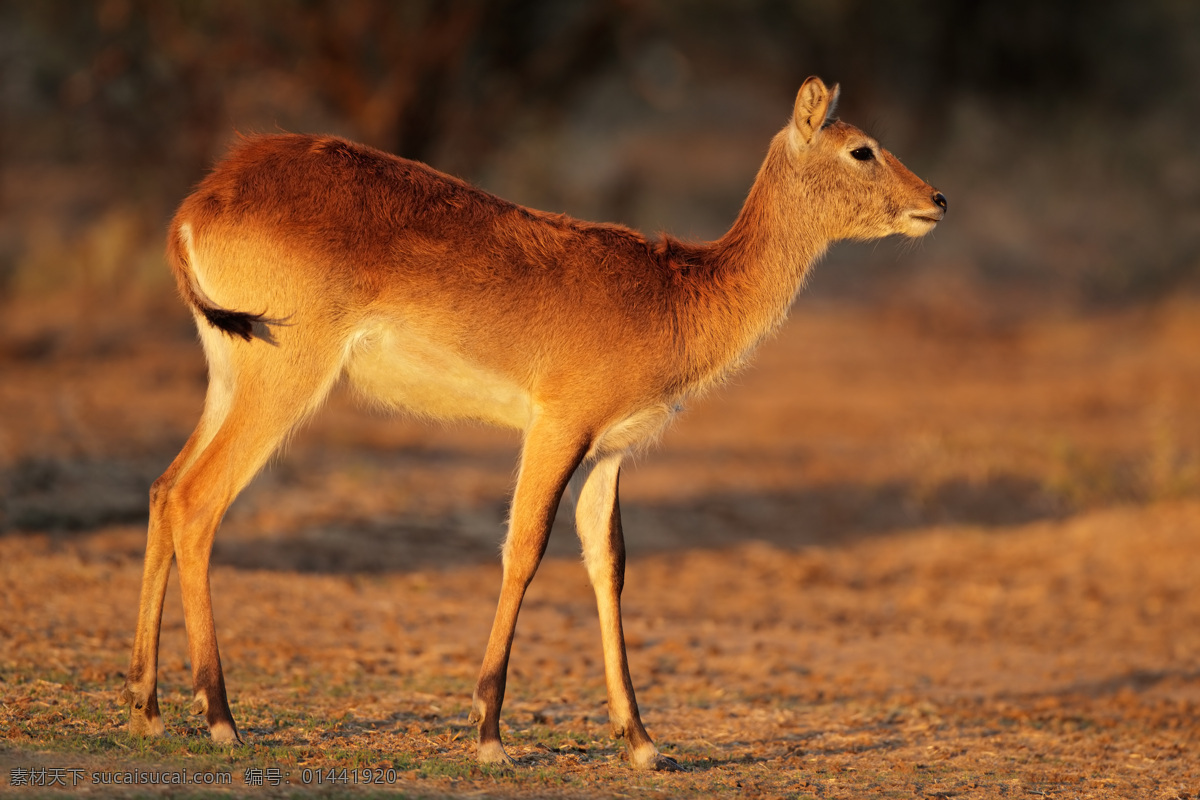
x,y
435,296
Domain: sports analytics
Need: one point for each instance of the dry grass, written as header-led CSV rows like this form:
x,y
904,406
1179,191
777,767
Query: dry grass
x,y
902,556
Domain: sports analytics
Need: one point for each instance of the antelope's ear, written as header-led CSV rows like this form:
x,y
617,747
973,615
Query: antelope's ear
x,y
814,104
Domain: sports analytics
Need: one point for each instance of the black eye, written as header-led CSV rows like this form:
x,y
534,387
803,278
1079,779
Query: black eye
x,y
863,154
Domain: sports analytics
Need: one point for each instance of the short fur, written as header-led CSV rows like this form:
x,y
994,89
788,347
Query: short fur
x,y
432,296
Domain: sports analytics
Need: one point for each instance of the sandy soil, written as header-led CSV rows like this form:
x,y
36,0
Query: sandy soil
x,y
910,552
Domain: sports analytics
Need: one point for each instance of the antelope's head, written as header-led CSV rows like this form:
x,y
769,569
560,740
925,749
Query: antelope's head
x,y
853,186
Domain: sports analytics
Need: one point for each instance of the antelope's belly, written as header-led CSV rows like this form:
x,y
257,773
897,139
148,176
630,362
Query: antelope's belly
x,y
398,367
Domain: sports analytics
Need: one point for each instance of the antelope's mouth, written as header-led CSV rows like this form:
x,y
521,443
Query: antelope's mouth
x,y
920,223
927,217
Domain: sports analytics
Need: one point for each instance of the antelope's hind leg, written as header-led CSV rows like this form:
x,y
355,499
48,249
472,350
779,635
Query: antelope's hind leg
x,y
598,522
257,394
140,692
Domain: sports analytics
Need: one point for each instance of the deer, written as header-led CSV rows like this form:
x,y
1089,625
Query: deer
x,y
309,260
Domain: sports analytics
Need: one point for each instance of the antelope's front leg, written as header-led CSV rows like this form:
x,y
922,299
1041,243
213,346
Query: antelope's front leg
x,y
549,457
598,521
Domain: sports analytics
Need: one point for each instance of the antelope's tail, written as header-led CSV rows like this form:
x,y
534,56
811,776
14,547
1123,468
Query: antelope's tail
x,y
240,324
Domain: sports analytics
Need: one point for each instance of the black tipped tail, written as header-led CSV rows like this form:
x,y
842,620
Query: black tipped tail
x,y
241,324
235,323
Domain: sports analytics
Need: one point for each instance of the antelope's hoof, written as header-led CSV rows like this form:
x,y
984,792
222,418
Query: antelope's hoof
x,y
492,753
224,733
647,757
142,724
141,721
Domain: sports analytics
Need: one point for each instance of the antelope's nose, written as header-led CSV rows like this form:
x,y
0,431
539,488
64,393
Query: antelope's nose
x,y
939,200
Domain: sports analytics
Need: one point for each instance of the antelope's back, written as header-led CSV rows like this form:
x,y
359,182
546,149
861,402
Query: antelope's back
x,y
451,302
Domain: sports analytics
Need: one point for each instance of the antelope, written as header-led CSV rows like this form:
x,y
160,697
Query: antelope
x,y
306,259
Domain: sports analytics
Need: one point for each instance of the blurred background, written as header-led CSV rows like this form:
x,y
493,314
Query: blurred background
x,y
1038,354
1063,133
970,461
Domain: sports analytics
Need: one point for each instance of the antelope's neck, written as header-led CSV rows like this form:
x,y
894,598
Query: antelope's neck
x,y
757,268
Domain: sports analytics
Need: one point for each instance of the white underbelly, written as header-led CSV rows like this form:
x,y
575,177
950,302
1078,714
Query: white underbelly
x,y
400,368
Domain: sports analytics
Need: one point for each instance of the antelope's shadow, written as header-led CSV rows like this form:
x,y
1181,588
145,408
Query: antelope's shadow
x,y
74,497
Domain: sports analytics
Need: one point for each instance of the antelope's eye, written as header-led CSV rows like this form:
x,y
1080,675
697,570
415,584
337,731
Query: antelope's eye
x,y
863,154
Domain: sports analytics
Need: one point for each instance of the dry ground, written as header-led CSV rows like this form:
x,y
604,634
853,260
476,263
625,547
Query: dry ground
x,y
910,553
